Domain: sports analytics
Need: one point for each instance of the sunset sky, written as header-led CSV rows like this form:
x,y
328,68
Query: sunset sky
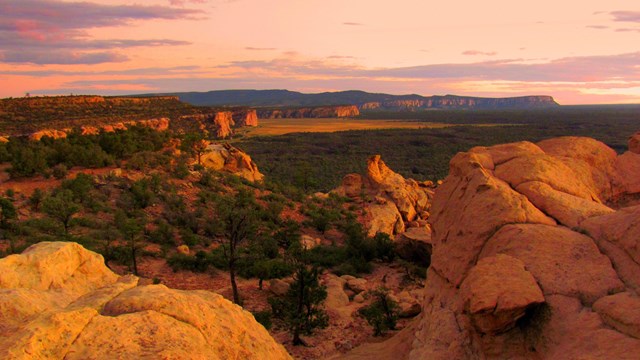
x,y
584,52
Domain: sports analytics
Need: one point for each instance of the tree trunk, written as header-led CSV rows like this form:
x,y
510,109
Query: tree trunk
x,y
133,258
232,270
260,284
234,286
296,337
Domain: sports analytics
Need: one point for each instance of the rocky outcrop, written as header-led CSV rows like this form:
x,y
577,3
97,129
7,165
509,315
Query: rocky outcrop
x,y
59,301
223,122
391,201
160,124
310,112
55,134
533,256
245,117
224,157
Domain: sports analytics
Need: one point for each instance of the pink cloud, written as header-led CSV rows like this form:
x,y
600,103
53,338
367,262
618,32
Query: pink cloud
x,y
477,52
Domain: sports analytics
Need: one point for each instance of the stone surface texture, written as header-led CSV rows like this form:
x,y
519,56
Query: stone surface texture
x,y
59,301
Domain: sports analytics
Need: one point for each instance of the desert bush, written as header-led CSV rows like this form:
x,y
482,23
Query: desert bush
x,y
59,171
200,262
382,314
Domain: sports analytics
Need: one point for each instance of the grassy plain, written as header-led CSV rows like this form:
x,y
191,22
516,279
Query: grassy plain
x,y
274,127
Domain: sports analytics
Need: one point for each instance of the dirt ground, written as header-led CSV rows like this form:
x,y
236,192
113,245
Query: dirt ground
x,y
343,334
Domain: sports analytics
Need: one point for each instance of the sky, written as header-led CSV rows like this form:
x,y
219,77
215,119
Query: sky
x,y
584,52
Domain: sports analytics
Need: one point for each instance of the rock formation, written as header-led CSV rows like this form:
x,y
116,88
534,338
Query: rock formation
x,y
224,157
245,117
59,301
310,112
55,134
223,121
533,256
393,201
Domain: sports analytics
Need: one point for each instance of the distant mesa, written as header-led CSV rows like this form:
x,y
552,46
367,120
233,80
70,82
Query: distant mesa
x,y
363,100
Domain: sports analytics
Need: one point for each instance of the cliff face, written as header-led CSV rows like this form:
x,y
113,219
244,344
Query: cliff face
x,y
223,121
245,117
465,102
59,301
310,112
461,102
533,256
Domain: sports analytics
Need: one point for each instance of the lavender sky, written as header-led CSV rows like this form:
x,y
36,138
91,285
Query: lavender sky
x,y
584,52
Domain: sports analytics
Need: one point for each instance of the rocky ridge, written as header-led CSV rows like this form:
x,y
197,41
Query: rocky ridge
x,y
58,300
533,256
310,112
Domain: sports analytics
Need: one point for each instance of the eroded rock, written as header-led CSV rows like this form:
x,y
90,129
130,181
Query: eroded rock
x,y
531,239
224,157
59,301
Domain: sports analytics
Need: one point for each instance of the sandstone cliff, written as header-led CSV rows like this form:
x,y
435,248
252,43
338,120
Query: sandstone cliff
x,y
224,157
533,258
59,301
392,202
460,102
245,117
223,121
310,112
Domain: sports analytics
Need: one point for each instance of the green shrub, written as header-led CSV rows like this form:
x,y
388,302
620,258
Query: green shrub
x,y
264,318
382,314
59,171
198,263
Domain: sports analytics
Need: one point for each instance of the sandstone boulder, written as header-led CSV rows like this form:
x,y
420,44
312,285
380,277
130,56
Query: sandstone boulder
x,y
357,285
224,157
278,287
59,301
621,311
309,242
497,292
183,249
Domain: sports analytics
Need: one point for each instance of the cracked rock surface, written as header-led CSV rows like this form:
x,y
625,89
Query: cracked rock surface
x,y
59,301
